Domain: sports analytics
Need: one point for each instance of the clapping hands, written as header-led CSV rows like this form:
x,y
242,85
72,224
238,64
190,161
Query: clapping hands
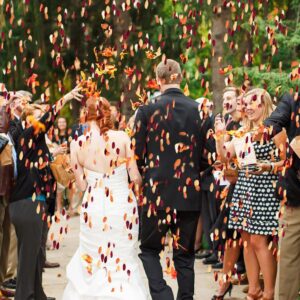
x,y
220,125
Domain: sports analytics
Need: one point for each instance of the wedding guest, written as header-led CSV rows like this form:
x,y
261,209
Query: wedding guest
x,y
34,185
79,128
6,182
169,139
209,206
61,138
254,209
17,100
205,104
118,119
61,134
227,240
286,116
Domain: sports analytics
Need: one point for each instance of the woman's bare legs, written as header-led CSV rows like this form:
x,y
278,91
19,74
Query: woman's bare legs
x,y
198,239
267,263
252,265
59,201
231,256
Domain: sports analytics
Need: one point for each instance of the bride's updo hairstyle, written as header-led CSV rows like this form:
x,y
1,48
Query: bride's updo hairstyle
x,y
98,109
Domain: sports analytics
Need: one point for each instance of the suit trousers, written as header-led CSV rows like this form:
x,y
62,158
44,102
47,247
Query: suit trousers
x,y
12,262
4,237
209,213
153,231
27,217
288,273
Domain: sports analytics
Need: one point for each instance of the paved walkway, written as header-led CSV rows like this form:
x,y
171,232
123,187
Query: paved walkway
x,y
55,279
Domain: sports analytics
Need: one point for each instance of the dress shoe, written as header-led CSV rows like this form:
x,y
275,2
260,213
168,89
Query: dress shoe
x,y
218,265
211,260
240,268
50,265
241,280
10,284
6,293
227,291
202,254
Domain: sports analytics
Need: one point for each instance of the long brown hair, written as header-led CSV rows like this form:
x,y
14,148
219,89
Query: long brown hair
x,y
98,109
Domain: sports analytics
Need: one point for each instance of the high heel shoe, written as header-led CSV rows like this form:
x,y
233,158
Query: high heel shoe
x,y
257,296
221,297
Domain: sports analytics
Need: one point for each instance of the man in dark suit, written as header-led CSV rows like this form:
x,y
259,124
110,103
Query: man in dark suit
x,y
17,101
169,138
287,116
6,176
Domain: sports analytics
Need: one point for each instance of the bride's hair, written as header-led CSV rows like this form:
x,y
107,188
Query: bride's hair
x,y
98,109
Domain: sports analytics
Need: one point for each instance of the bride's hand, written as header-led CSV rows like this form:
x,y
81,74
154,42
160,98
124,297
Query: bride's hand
x,y
137,189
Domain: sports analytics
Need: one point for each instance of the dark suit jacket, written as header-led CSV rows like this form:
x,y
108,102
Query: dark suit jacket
x,y
169,139
285,116
207,177
15,130
34,173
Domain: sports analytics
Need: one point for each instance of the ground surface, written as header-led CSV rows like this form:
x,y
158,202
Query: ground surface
x,y
55,279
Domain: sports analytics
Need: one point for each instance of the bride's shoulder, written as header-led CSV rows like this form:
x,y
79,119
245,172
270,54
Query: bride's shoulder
x,y
77,143
118,133
119,136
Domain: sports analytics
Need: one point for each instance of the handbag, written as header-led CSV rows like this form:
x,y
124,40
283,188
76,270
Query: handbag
x,y
3,142
231,175
62,170
6,158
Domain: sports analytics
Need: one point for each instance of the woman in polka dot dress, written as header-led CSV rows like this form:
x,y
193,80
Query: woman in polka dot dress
x,y
254,210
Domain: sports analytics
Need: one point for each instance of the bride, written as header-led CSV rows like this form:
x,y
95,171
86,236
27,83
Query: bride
x,y
105,265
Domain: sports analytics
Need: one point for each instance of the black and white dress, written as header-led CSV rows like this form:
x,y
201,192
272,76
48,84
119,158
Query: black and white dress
x,y
254,204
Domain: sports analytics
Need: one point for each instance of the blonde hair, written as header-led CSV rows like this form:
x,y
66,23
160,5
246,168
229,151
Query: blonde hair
x,y
29,110
266,100
232,88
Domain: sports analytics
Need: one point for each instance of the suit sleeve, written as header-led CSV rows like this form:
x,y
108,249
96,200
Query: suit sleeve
x,y
208,144
48,118
14,131
139,138
281,116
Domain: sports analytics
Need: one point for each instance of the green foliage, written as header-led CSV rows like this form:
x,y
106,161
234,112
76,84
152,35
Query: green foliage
x,y
276,82
178,28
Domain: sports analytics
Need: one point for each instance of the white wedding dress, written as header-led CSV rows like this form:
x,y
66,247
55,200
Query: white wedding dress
x,y
105,265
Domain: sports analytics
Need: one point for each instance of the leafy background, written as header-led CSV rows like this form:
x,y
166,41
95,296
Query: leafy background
x,y
218,42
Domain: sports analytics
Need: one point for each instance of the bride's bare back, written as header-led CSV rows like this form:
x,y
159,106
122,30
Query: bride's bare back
x,y
102,154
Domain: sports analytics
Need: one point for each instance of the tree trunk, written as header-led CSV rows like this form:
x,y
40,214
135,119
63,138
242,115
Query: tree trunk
x,y
219,18
120,26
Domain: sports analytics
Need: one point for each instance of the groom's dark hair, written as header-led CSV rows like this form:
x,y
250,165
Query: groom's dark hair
x,y
170,71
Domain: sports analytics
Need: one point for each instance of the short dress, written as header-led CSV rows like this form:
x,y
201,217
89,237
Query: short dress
x,y
255,207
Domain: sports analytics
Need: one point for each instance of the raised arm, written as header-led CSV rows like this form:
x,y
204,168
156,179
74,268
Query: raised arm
x,y
76,166
49,117
281,116
225,150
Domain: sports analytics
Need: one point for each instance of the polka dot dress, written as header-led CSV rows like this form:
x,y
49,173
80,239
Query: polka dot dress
x,y
254,205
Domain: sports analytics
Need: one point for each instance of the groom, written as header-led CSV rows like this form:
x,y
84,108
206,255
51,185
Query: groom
x,y
170,136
